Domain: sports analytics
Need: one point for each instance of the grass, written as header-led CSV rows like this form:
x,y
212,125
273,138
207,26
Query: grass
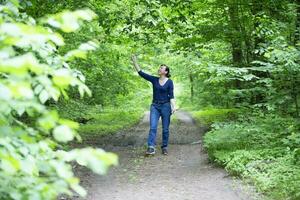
x,y
209,116
97,120
110,121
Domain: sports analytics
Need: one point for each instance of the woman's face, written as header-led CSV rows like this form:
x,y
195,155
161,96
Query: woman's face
x,y
162,70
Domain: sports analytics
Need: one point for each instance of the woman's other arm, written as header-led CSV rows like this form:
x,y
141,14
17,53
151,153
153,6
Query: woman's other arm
x,y
171,96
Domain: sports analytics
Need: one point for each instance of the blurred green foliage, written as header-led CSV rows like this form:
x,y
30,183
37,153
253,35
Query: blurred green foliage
x,y
32,73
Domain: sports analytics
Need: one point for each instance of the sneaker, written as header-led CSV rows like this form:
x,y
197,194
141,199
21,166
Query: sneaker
x,y
164,151
150,151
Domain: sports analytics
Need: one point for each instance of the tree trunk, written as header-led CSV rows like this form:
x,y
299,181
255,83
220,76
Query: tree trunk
x,y
256,10
297,40
192,86
297,28
237,53
235,40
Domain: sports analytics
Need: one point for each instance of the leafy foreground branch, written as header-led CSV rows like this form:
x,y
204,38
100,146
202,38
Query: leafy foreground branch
x,y
33,164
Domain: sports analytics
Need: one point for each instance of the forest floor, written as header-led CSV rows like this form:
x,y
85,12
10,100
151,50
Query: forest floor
x,y
184,174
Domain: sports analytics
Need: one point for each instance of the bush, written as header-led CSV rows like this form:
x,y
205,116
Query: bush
x,y
262,149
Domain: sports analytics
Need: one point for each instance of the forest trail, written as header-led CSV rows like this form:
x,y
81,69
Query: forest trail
x,y
185,174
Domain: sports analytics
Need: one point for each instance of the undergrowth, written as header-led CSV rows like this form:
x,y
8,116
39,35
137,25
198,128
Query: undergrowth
x,y
262,149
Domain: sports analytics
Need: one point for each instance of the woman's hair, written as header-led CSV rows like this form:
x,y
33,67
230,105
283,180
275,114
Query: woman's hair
x,y
167,69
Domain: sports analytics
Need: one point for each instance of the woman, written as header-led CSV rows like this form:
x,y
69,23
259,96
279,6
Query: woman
x,y
163,105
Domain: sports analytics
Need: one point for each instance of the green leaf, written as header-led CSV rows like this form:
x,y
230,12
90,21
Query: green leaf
x,y
80,190
62,169
43,96
48,121
5,93
21,90
96,159
20,65
85,14
77,53
29,165
63,133
62,78
9,164
89,46
69,123
69,21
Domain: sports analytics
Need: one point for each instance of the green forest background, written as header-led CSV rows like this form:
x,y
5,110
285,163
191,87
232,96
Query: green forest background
x,y
235,65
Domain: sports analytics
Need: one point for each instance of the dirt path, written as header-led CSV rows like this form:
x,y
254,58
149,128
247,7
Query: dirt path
x,y
185,174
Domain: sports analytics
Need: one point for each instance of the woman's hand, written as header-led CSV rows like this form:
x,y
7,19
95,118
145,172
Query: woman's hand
x,y
133,58
174,110
173,106
134,62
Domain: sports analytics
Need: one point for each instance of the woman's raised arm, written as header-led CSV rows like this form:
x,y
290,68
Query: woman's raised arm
x,y
146,76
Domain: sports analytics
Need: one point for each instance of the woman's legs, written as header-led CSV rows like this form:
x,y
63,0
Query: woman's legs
x,y
154,117
166,118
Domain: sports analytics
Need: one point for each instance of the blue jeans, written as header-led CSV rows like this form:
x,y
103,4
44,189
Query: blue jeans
x,y
156,111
